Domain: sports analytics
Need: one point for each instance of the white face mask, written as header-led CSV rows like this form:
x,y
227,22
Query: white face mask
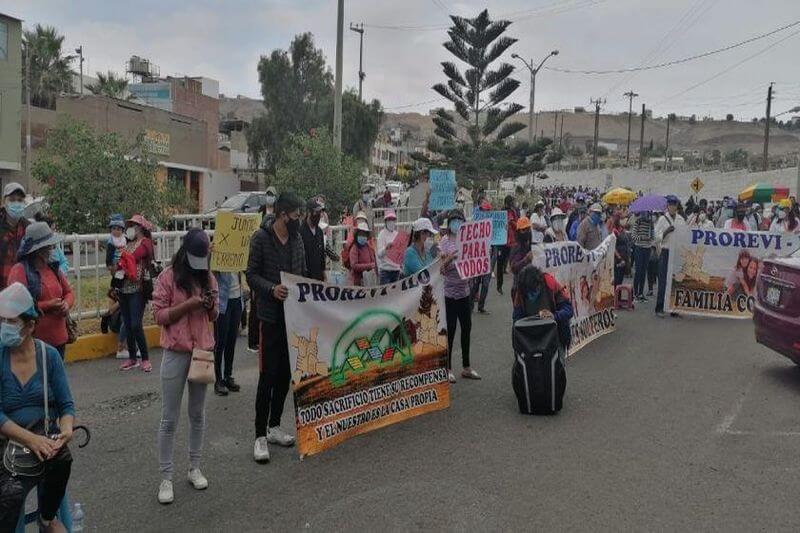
x,y
130,233
428,245
702,217
781,214
270,200
390,225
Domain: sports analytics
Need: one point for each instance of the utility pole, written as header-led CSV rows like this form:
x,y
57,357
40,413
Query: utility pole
x,y
533,70
561,134
641,139
79,51
631,95
359,29
555,127
766,127
597,103
337,96
28,117
666,149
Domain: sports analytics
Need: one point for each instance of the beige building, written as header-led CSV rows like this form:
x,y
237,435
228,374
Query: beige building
x,y
10,97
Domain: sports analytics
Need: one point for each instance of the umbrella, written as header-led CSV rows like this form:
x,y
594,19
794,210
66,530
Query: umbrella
x,y
762,192
619,196
648,202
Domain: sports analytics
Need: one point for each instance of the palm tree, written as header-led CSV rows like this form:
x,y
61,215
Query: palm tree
x,y
50,72
110,85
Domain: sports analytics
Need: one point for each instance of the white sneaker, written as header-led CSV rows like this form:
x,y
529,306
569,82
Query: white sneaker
x,y
451,377
165,494
123,354
277,436
261,450
197,479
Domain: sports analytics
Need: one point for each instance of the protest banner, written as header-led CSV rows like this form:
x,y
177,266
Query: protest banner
x,y
588,276
364,357
473,251
713,272
442,184
499,225
396,250
232,240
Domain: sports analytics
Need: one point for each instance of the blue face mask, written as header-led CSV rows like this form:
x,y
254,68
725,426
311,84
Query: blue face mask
x,y
455,225
54,257
15,209
10,334
596,218
361,240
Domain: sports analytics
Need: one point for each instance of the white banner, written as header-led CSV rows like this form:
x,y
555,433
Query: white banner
x,y
365,357
588,276
713,272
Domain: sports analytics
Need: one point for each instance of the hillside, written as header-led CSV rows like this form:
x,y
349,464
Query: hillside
x,y
704,135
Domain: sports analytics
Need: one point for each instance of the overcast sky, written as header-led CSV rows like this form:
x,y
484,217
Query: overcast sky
x,y
224,40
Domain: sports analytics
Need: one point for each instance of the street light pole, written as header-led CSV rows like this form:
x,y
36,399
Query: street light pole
x,y
766,127
337,95
79,51
359,29
631,95
533,70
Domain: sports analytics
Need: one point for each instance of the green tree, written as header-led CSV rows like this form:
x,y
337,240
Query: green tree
x,y
477,141
312,165
88,176
110,85
50,72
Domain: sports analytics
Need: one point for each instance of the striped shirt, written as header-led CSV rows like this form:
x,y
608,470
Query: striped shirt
x,y
643,232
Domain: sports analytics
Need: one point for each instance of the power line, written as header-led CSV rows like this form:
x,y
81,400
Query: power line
x,y
677,61
404,106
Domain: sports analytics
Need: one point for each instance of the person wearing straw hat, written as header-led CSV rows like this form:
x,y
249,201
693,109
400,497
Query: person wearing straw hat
x,y
362,256
43,427
38,271
132,298
388,270
12,228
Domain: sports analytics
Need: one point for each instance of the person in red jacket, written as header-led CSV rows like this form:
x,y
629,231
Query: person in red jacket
x,y
132,298
38,270
362,256
504,252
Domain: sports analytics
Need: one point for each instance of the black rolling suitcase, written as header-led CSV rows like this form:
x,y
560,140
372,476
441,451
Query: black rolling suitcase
x,y
539,375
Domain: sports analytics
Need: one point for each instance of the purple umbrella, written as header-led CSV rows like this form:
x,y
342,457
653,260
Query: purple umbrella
x,y
648,202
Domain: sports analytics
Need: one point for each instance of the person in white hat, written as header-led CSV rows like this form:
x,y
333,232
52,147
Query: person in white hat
x,y
362,256
557,232
538,223
419,253
22,411
590,233
12,228
388,269
269,206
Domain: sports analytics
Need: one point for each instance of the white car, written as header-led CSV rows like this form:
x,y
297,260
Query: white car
x,y
399,195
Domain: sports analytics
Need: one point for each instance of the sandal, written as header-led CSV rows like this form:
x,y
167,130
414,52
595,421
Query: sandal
x,y
470,374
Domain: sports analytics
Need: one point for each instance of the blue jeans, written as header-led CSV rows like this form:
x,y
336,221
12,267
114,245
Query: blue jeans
x,y
132,308
226,330
641,258
389,276
662,280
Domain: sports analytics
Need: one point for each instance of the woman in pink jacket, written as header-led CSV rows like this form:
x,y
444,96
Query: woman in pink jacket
x,y
362,256
185,302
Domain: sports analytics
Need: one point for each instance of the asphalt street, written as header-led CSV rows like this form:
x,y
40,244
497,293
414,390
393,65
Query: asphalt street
x,y
668,425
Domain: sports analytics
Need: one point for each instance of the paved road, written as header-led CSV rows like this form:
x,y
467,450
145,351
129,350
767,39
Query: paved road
x,y
669,425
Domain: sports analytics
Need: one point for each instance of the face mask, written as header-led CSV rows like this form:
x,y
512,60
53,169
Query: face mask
x,y
10,334
365,197
702,217
54,257
455,226
390,225
728,213
15,209
130,233
781,214
270,200
293,225
558,224
362,240
428,245
596,218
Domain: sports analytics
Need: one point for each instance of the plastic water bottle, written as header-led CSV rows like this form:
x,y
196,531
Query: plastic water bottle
x,y
77,518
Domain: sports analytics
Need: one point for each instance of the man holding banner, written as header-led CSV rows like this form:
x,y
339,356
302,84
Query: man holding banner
x,y
664,228
276,247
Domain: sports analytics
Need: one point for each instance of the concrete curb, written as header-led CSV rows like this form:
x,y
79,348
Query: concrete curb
x,y
98,345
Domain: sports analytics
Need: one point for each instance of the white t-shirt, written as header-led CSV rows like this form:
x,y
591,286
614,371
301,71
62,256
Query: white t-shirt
x,y
537,235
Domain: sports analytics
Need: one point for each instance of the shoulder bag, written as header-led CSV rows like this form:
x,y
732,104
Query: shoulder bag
x,y
19,460
201,368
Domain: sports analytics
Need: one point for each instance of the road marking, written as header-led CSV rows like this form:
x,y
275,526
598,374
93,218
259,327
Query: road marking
x,y
764,433
727,422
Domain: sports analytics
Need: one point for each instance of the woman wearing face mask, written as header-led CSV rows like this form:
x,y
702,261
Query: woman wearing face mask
x,y
419,253
269,203
456,298
557,232
38,271
12,228
388,270
362,256
22,413
785,220
132,297
185,301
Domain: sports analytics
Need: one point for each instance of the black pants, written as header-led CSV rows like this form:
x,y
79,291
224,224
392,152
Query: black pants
x,y
652,271
132,308
273,381
662,280
502,260
14,490
458,310
253,324
226,331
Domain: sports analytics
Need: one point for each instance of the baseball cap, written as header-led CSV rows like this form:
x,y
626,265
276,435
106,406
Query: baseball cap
x,y
596,208
16,300
672,199
197,245
557,213
456,214
315,205
423,224
11,188
272,190
390,215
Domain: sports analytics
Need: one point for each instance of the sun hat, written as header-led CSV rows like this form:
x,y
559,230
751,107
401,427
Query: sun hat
x,y
11,188
196,244
390,215
362,226
785,204
116,221
557,213
139,220
539,203
271,190
596,208
16,300
523,223
423,224
361,216
37,236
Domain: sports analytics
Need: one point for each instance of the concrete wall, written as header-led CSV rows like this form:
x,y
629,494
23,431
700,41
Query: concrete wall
x,y
717,184
11,101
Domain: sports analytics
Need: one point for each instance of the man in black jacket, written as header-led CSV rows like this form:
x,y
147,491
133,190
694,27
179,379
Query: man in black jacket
x,y
314,240
276,247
